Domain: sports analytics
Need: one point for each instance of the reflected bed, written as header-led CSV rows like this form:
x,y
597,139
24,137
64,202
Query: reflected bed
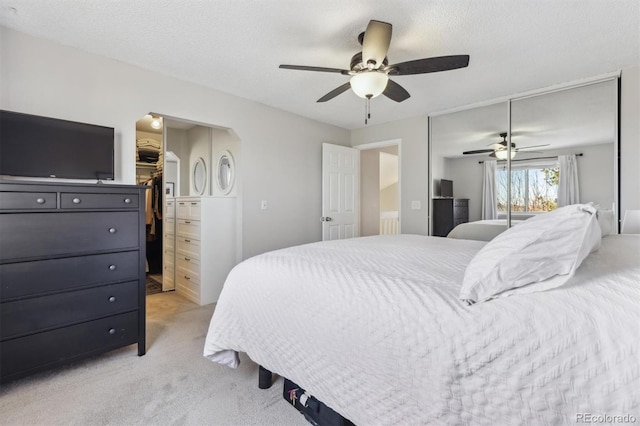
x,y
481,230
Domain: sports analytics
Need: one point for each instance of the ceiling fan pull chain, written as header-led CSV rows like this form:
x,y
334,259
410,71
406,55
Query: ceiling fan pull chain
x,y
366,111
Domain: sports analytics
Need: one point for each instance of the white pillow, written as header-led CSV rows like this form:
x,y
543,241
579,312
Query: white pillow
x,y
542,252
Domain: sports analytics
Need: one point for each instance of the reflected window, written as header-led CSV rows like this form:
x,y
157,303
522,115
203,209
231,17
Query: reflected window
x,y
534,188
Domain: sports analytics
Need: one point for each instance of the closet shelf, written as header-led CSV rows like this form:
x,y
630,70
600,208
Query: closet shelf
x,y
146,165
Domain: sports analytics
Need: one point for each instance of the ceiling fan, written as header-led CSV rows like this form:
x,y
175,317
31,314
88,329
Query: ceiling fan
x,y
370,69
499,150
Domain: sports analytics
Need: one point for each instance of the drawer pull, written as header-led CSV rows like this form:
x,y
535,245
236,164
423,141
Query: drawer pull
x,y
187,221
187,259
181,203
76,201
194,204
40,200
187,277
112,267
112,331
112,230
127,200
187,241
112,299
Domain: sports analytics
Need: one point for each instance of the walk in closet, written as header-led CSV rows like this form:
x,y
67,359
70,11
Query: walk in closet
x,y
193,209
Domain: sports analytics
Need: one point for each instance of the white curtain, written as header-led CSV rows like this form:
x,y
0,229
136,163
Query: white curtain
x,y
568,188
489,195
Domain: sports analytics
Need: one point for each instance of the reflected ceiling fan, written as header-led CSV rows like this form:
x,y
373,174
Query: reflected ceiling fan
x,y
370,69
499,150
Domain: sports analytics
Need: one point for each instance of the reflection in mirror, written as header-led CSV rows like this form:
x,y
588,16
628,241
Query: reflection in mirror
x,y
564,149
568,132
225,172
471,131
199,176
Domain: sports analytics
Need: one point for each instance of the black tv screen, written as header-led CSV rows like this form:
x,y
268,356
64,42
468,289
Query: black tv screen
x,y
37,146
446,188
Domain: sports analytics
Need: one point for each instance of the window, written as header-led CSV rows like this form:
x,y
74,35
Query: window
x,y
534,188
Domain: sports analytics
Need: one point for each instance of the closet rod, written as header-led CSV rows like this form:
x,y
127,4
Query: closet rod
x,y
535,158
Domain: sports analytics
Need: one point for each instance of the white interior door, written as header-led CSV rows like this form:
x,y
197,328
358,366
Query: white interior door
x,y
340,192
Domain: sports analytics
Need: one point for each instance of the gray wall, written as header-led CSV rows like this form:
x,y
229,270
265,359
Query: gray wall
x,y
281,152
413,166
630,139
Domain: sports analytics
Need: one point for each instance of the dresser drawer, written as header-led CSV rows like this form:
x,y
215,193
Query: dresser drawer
x,y
24,355
55,275
168,258
188,287
168,272
28,200
188,247
58,310
169,243
170,209
189,265
190,271
32,235
188,209
70,200
169,226
188,228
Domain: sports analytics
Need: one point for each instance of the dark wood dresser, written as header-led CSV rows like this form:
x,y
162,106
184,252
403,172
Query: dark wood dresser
x,y
72,273
448,213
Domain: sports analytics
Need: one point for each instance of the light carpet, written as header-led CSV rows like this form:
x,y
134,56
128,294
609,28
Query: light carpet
x,y
173,384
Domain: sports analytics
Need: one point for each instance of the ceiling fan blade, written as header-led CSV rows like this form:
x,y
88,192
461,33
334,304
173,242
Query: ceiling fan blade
x,y
377,38
395,92
320,69
478,151
335,92
532,146
426,65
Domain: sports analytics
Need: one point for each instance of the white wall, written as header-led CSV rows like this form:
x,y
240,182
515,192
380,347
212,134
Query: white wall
x,y
199,142
413,166
281,152
225,140
630,139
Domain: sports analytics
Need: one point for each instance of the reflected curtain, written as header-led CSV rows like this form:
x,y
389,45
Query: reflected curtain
x,y
568,187
489,195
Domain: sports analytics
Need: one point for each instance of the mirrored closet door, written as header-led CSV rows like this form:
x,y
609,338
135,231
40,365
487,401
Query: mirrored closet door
x,y
560,145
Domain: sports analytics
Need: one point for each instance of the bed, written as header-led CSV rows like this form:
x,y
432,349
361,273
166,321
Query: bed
x,y
481,230
374,327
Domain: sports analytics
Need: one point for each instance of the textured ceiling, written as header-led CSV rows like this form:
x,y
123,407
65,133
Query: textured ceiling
x,y
236,45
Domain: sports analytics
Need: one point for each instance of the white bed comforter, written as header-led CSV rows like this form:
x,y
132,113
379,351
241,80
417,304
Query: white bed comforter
x,y
373,328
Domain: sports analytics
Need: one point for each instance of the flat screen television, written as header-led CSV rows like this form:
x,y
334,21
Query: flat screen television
x,y
36,146
446,188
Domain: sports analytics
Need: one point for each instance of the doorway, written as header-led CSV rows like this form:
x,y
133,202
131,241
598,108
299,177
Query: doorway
x,y
188,169
149,172
380,188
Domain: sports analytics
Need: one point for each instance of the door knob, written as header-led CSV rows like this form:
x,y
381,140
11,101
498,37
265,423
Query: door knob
x,y
326,219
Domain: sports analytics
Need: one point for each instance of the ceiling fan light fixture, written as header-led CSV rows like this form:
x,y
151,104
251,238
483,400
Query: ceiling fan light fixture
x,y
369,84
503,154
